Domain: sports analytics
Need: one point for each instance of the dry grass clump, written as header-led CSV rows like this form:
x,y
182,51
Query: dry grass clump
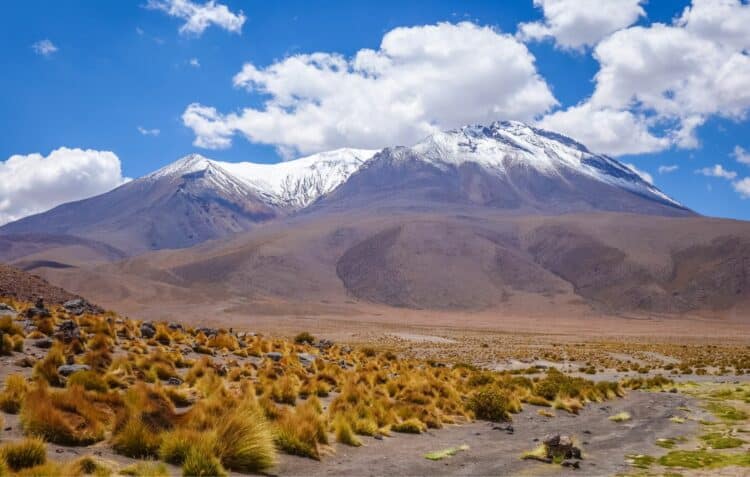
x,y
302,431
46,368
71,416
25,454
344,433
491,404
304,338
13,394
244,439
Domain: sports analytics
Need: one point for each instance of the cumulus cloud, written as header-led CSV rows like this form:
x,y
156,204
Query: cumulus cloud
x,y
44,47
741,155
668,169
148,132
668,79
199,17
643,174
743,187
421,79
575,24
717,171
34,183
194,63
606,130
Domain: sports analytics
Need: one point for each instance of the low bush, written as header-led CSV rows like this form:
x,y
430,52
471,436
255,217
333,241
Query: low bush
x,y
25,454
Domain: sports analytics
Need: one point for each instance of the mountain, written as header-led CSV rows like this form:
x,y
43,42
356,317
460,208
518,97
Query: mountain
x,y
499,219
507,165
193,200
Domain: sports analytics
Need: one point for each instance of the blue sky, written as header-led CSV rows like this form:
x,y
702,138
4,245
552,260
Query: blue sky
x,y
120,71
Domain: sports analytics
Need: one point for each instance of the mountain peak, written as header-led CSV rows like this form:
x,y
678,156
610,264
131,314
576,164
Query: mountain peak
x,y
184,165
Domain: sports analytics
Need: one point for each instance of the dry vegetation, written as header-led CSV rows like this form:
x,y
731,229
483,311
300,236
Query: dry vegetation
x,y
213,401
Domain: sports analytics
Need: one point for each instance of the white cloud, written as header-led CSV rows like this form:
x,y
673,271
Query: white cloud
x,y
194,63
34,183
605,130
669,79
421,79
44,47
643,174
575,24
741,155
199,17
743,187
148,132
717,171
668,169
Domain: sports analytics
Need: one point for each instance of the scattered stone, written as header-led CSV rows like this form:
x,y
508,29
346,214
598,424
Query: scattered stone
x,y
324,344
25,362
174,381
38,310
560,446
175,326
306,359
68,369
148,330
7,310
68,331
76,306
208,331
44,343
274,355
573,464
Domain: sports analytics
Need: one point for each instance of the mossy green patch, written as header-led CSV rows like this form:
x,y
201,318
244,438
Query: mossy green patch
x,y
720,440
726,412
442,454
703,459
640,461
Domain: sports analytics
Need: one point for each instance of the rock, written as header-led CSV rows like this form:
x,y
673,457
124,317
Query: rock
x,y
573,464
324,344
68,331
175,326
306,359
68,369
44,343
7,310
560,446
378,437
208,331
25,362
274,355
174,381
148,330
76,306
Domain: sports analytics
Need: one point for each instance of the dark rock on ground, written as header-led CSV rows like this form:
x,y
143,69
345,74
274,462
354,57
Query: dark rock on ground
x,y
148,330
68,369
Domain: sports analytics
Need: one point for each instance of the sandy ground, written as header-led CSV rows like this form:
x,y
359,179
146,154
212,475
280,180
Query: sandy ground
x,y
496,452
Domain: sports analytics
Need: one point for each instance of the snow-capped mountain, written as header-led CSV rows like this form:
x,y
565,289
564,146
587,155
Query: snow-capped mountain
x,y
507,166
293,184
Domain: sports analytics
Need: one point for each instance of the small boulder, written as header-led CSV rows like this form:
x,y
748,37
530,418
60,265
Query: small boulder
x,y
148,330
306,359
68,369
44,343
175,326
560,446
274,355
7,310
174,381
208,331
76,306
68,331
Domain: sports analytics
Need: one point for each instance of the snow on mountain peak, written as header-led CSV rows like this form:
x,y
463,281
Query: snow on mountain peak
x,y
294,183
505,144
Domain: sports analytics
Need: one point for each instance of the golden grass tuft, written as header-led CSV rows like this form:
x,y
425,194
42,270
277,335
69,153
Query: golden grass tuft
x,y
344,433
13,394
25,454
244,439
